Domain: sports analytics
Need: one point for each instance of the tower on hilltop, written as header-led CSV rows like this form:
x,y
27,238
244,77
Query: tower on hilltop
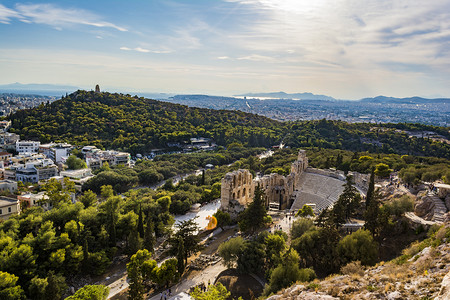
x,y
97,88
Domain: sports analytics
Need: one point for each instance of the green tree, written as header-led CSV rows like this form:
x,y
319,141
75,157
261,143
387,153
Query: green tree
x,y
37,288
56,286
214,292
372,207
358,246
106,191
166,273
370,189
140,269
223,218
188,232
9,290
57,192
231,250
110,210
382,170
140,226
300,226
255,215
149,237
317,248
275,247
91,292
75,163
180,256
88,198
347,204
288,272
251,258
134,242
305,211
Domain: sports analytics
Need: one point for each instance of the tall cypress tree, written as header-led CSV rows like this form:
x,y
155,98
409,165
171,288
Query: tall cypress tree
x,y
180,256
140,223
149,238
370,189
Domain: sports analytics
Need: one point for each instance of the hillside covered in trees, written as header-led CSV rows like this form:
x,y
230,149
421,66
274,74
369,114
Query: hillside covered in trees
x,y
138,125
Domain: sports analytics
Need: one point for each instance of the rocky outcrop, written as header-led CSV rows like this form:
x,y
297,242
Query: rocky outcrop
x,y
426,275
444,293
447,201
424,206
295,292
430,207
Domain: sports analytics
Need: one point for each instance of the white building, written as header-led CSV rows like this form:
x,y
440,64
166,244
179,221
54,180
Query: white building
x,y
95,158
79,177
32,171
27,146
56,152
31,200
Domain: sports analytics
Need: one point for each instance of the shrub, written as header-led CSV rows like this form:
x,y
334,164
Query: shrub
x,y
353,267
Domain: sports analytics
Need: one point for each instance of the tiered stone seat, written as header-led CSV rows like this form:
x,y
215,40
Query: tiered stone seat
x,y
321,190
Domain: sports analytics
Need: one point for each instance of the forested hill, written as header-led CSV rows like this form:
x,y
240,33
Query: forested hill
x,y
122,122
136,124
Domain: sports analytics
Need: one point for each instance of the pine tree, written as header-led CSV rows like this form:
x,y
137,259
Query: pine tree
x,y
53,290
372,207
370,189
180,256
140,227
347,203
254,216
135,242
149,238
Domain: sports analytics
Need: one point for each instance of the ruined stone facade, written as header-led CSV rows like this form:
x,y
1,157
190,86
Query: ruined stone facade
x,y
238,187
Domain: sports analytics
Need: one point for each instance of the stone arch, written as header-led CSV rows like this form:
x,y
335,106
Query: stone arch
x,y
234,196
243,193
239,194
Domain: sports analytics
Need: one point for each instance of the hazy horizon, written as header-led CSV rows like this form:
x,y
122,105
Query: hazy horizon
x,y
346,50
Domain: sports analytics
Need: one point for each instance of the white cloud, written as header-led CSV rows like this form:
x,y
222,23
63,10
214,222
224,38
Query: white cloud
x,y
223,57
7,14
256,57
139,49
52,15
143,50
353,34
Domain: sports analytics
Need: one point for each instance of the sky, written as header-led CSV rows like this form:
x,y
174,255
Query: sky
x,y
347,49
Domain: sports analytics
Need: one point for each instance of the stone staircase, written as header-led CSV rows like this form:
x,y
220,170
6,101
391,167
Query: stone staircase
x,y
439,208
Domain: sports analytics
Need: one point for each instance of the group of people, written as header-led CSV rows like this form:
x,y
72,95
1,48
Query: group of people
x,y
166,294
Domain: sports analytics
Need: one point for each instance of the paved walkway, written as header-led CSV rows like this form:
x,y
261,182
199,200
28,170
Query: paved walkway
x,y
208,274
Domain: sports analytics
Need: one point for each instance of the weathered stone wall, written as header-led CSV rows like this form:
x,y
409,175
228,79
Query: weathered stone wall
x,y
238,187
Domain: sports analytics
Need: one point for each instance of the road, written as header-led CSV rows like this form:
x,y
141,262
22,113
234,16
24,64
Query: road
x,y
208,274
118,286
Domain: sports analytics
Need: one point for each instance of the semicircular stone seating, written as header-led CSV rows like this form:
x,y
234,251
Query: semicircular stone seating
x,y
321,190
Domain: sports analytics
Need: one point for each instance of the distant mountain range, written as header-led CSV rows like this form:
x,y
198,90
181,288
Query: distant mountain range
x,y
410,100
283,95
58,90
311,96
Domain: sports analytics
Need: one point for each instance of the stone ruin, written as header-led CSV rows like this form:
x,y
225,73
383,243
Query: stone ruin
x,y
238,187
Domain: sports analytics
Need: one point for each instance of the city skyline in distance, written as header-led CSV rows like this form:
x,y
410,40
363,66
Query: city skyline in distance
x,y
345,50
